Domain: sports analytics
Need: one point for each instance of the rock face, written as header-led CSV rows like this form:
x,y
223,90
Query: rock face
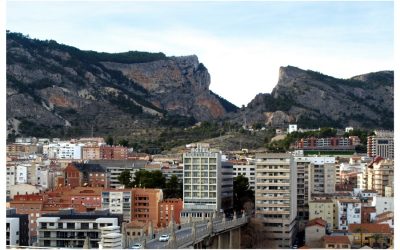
x,y
312,99
55,89
178,84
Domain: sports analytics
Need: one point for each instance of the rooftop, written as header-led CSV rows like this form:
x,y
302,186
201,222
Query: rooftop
x,y
336,240
316,222
370,228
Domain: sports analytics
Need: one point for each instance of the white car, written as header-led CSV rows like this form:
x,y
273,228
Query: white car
x,y
137,246
164,237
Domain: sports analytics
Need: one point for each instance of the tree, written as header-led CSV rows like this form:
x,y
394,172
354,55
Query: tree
x,y
125,178
110,140
173,188
124,142
242,192
149,179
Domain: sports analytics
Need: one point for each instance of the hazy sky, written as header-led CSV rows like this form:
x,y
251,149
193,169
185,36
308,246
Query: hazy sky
x,y
242,44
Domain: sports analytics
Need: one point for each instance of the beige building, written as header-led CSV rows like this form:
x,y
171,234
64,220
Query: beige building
x,y
91,153
379,175
338,242
323,209
276,197
315,231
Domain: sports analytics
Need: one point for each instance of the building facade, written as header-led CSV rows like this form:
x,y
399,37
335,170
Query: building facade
x,y
276,197
202,179
70,229
381,144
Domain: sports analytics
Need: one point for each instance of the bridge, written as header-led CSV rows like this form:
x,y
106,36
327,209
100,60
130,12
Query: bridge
x,y
217,233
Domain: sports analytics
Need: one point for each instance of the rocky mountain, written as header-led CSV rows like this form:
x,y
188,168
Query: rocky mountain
x,y
313,100
58,90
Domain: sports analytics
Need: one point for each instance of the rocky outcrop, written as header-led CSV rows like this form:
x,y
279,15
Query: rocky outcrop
x,y
178,84
65,89
312,99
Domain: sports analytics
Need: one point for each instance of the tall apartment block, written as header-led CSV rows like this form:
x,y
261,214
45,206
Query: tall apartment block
x,y
381,144
226,185
276,197
315,175
202,180
247,169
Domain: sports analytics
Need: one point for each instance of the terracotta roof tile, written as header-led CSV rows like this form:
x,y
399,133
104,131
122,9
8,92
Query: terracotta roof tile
x,y
370,228
316,221
336,239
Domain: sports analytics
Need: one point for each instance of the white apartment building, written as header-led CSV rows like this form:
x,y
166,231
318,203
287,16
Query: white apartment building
x,y
12,231
118,202
348,212
247,169
383,204
276,197
63,150
21,174
71,230
202,179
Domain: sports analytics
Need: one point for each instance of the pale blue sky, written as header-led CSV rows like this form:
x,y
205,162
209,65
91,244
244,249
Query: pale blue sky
x,y
242,44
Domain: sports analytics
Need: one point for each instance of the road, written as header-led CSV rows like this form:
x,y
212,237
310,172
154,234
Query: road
x,y
155,244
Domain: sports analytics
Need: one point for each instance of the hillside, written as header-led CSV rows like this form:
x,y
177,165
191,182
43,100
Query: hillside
x,y
313,100
58,90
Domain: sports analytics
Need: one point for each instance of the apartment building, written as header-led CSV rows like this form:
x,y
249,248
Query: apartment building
x,y
348,212
202,179
78,174
70,229
247,169
380,175
226,185
145,204
381,144
276,197
118,202
63,150
315,175
331,143
383,204
113,153
324,209
17,232
91,152
168,209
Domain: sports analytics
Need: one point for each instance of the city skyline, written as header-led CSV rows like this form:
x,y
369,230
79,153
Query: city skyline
x,y
240,43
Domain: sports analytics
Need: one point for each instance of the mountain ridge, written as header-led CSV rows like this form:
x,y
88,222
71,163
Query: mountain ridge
x,y
58,90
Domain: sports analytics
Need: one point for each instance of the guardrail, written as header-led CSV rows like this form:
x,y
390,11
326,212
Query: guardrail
x,y
202,231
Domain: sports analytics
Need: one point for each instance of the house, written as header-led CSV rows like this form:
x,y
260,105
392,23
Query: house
x,y
315,230
338,242
372,235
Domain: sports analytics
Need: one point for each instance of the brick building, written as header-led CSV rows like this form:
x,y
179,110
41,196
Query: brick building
x,y
113,153
78,174
168,208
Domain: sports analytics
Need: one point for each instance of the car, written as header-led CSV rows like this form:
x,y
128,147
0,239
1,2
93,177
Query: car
x,y
164,237
137,246
294,246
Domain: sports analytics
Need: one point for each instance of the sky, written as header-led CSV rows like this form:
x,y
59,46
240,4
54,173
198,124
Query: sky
x,y
242,44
